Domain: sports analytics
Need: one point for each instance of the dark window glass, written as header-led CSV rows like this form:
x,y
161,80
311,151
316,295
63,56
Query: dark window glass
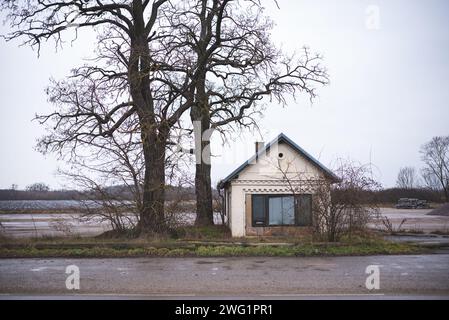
x,y
304,210
259,211
270,210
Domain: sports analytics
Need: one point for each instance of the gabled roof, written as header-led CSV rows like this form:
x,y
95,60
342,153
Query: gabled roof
x,y
282,138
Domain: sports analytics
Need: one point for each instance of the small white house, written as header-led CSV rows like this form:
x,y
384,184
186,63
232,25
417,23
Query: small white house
x,y
271,193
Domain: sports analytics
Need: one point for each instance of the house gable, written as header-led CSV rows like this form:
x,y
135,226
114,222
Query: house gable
x,y
271,166
280,156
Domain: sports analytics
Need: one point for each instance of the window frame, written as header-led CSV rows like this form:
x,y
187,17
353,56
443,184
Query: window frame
x,y
267,197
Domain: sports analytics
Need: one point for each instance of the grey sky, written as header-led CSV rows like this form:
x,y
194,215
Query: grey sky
x,y
388,92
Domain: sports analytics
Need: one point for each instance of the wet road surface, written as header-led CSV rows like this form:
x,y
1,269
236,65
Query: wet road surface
x,y
260,278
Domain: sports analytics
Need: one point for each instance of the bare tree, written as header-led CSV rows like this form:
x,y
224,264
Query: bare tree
x,y
218,200
110,173
125,86
430,181
235,65
407,178
435,155
352,204
155,60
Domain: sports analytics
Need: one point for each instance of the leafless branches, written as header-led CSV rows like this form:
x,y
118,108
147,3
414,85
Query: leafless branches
x,y
350,205
40,20
435,155
129,95
232,57
407,178
339,207
234,68
155,61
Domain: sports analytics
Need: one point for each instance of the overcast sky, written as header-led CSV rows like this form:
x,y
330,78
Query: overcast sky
x,y
388,62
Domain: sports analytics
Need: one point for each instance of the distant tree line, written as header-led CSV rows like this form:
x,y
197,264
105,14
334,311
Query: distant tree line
x,y
40,191
392,195
10,194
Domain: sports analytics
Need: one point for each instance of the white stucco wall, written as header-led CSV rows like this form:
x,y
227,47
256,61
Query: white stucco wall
x,y
264,177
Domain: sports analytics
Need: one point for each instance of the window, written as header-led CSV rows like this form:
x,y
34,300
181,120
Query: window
x,y
258,210
304,210
281,210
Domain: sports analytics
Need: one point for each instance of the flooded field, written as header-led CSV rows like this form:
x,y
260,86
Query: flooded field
x,y
34,225
20,205
53,225
415,220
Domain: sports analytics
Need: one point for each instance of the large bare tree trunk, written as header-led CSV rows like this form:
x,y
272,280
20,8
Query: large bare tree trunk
x,y
203,188
152,219
154,135
120,24
199,114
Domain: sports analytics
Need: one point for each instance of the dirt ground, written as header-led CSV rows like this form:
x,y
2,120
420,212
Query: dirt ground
x,y
28,225
416,220
19,225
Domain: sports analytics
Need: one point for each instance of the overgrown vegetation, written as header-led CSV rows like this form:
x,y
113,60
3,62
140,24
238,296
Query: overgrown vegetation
x,y
204,233
390,227
353,248
214,241
341,203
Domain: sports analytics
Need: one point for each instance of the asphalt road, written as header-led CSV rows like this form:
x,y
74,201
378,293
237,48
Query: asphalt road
x,y
420,276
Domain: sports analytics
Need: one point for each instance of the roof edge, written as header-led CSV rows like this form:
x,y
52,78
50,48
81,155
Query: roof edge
x,y
280,138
